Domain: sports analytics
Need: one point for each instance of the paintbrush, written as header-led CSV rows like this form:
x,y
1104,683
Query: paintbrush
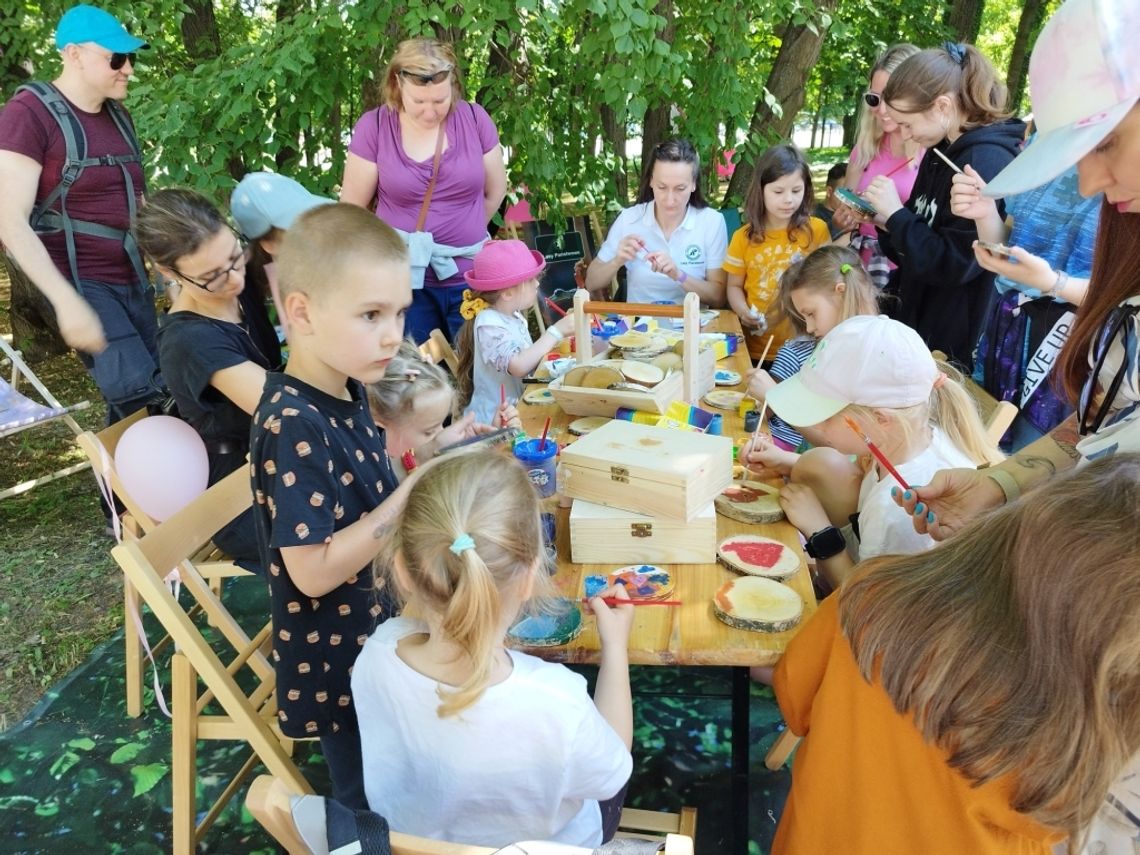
x,y
882,458
614,601
949,162
554,306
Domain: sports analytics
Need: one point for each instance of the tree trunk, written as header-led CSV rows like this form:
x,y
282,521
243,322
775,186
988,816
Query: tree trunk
x,y
656,126
964,18
614,131
200,31
799,50
34,327
1032,17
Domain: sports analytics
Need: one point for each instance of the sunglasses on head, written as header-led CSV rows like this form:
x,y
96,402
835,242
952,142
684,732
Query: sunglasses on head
x,y
426,79
872,99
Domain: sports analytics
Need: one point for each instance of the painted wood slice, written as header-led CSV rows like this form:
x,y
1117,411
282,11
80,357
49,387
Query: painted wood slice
x,y
725,377
754,555
644,581
748,501
758,604
548,629
538,396
582,426
723,400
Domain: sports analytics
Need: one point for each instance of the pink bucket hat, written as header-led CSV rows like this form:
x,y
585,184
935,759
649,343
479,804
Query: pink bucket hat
x,y
503,263
1084,77
866,360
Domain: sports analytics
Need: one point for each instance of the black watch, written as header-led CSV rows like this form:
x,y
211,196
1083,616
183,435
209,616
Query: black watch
x,y
825,543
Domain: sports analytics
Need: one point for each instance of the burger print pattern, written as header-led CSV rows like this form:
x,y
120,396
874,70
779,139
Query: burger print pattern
x,y
318,464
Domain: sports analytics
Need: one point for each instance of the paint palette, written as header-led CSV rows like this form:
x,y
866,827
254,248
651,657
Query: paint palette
x,y
553,628
644,581
724,400
538,396
754,555
724,377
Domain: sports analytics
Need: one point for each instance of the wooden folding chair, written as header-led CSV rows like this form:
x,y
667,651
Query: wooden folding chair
x,y
247,716
212,563
270,802
996,415
438,349
19,413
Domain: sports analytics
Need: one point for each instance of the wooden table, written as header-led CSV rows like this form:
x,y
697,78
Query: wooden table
x,y
689,634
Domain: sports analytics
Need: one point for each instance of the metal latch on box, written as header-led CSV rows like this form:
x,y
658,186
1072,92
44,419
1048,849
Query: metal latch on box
x,y
641,529
619,474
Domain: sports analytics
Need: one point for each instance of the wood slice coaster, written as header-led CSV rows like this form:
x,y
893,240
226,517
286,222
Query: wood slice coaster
x,y
644,581
724,400
724,377
538,396
750,502
633,338
553,629
758,604
582,426
754,555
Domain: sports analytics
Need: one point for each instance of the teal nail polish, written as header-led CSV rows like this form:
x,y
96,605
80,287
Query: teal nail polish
x,y
919,509
930,517
907,495
894,492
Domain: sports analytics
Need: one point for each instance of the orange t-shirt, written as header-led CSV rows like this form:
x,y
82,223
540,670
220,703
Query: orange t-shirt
x,y
865,781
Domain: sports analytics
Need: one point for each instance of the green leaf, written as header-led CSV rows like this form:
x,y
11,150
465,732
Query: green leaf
x,y
639,18
64,762
145,777
46,809
7,776
126,753
82,744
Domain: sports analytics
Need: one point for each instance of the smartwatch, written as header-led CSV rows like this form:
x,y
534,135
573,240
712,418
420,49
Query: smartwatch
x,y
825,543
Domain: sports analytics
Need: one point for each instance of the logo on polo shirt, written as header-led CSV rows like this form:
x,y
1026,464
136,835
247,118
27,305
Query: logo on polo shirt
x,y
694,253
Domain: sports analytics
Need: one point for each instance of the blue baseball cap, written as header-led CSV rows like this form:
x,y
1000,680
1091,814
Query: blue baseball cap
x,y
84,23
265,200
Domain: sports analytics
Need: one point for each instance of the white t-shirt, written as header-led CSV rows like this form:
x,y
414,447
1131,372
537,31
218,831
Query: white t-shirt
x,y
696,246
1120,430
498,337
529,760
884,527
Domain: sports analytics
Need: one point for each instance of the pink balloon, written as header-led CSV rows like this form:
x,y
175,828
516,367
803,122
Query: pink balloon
x,y
162,464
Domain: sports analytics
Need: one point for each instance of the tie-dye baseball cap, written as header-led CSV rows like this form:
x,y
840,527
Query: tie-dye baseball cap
x,y
1084,77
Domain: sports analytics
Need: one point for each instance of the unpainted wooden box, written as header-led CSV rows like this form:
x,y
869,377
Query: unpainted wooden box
x,y
602,535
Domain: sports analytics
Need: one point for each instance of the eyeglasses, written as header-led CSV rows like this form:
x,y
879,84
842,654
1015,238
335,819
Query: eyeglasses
x,y
872,99
239,263
426,79
1088,418
117,60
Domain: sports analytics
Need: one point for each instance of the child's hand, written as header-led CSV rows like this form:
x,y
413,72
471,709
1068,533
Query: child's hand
x,y
614,622
759,382
803,509
457,431
508,417
750,321
884,195
565,325
765,459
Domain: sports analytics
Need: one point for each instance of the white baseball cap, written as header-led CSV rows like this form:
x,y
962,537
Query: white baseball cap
x,y
1084,77
265,200
866,360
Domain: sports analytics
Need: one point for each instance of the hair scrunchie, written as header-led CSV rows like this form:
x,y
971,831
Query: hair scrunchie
x,y
957,52
845,268
472,305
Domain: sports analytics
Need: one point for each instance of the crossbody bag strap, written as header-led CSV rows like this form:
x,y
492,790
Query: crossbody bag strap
x,y
431,181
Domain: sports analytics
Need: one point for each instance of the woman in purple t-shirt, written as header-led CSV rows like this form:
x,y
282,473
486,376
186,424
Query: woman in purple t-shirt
x,y
390,160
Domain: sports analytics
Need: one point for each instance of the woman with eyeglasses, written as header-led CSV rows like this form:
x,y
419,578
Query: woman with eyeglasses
x,y
433,164
879,150
216,343
1084,78
671,242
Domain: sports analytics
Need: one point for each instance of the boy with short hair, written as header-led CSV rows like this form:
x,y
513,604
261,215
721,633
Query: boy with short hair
x,y
826,209
320,470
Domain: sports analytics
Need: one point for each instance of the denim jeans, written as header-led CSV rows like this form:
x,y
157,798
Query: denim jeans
x,y
435,308
126,372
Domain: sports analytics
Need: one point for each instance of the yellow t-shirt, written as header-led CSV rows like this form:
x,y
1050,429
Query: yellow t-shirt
x,y
761,264
865,781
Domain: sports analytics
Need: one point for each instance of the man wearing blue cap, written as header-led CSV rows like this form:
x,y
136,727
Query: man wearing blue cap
x,y
72,179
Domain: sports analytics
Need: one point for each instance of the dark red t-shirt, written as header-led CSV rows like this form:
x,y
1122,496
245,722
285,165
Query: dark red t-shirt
x,y
26,127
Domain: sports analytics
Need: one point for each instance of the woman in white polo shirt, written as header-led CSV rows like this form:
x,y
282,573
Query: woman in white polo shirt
x,y
671,242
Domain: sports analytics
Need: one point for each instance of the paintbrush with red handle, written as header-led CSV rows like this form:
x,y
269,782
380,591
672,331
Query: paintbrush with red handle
x,y
882,458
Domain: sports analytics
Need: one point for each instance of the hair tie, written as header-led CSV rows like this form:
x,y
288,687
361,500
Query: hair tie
x,y
940,380
845,268
462,543
957,52
472,305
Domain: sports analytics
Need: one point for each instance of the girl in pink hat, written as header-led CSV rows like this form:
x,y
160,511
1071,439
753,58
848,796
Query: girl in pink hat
x,y
494,344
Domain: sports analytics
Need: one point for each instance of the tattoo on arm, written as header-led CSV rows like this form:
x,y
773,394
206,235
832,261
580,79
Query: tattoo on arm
x,y
1040,464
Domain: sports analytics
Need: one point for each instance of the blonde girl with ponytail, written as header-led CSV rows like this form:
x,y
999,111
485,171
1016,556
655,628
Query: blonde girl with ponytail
x,y
462,738
871,377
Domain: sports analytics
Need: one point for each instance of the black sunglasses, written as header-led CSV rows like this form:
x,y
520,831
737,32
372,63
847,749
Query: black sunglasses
x,y
426,79
1090,419
118,60
872,99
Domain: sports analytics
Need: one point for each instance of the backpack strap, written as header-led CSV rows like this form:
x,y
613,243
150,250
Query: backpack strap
x,y
50,214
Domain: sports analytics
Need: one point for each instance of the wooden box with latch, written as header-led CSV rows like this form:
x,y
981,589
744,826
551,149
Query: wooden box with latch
x,y
649,470
601,535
